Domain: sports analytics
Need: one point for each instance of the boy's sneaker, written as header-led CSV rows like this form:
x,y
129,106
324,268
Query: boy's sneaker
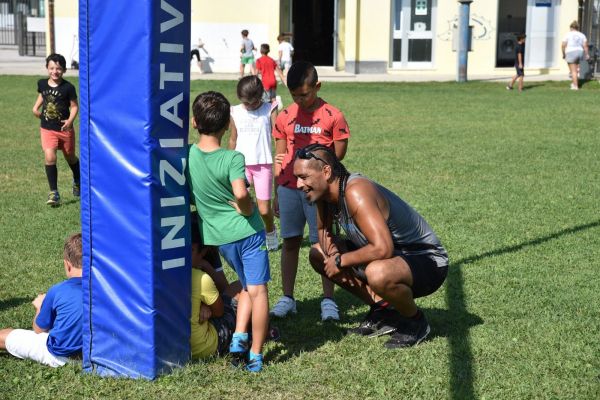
x,y
255,362
378,321
53,198
76,189
272,241
329,310
238,348
410,332
284,306
508,87
573,87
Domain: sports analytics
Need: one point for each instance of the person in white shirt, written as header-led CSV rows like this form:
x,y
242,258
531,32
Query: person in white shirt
x,y
574,49
286,50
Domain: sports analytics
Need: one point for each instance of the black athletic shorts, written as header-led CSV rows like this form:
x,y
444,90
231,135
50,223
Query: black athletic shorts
x,y
225,326
427,276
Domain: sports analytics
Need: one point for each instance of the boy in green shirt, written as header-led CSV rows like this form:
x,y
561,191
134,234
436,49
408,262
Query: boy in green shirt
x,y
228,219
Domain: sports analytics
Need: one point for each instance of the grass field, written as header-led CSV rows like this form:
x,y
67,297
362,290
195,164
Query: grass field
x,y
511,184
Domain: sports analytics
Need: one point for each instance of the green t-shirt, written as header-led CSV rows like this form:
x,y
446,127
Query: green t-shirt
x,y
210,177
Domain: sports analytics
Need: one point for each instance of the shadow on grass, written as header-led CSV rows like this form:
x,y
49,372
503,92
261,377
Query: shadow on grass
x,y
305,332
458,321
532,86
14,302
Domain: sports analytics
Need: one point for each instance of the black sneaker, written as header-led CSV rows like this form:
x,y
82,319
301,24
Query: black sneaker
x,y
378,321
53,199
409,333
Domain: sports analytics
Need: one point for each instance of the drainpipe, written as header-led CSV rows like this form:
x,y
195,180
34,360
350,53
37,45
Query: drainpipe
x,y
463,39
51,40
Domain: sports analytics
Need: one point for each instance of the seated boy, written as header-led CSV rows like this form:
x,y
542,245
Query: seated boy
x,y
213,316
57,325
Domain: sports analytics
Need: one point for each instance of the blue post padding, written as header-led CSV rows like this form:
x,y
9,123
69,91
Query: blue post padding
x,y
134,94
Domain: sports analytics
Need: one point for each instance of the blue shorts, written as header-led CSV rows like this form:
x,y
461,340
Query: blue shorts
x,y
294,213
249,258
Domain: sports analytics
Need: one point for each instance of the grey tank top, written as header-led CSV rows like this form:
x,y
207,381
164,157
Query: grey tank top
x,y
411,234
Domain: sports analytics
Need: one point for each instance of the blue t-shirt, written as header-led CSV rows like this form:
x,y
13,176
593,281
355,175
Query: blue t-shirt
x,y
61,315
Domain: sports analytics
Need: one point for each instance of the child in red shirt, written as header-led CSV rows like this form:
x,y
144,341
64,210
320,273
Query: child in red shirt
x,y
267,67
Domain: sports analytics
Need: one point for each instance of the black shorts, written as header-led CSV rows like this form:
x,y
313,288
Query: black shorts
x,y
225,326
520,71
427,276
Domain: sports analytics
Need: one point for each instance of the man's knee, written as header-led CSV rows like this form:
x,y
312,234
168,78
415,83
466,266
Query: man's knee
x,y
292,244
315,257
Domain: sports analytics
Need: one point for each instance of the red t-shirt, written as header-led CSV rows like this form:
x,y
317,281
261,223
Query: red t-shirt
x,y
300,128
266,67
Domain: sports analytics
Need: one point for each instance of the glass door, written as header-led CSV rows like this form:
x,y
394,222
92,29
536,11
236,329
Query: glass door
x,y
412,33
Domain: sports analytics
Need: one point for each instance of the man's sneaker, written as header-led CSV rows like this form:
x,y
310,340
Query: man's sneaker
x,y
255,362
329,310
238,348
76,189
272,240
410,332
284,306
53,199
378,321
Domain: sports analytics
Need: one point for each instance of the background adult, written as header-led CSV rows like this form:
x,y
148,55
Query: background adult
x,y
575,49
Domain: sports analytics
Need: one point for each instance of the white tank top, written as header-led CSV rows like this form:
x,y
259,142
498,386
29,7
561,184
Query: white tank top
x,y
254,133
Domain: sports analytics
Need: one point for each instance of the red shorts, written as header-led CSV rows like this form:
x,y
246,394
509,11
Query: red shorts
x,y
60,140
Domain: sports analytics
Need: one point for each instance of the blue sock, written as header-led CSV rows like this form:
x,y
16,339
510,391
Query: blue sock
x,y
239,343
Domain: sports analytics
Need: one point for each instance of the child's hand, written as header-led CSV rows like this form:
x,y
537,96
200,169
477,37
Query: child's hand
x,y
37,302
67,126
205,312
237,208
279,158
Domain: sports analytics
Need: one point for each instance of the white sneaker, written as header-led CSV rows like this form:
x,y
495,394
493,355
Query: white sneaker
x,y
573,87
279,103
284,306
272,240
329,310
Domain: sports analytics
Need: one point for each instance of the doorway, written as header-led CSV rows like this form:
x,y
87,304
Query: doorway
x,y
412,33
512,21
313,30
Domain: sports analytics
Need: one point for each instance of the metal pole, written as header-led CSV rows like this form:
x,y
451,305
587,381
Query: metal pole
x,y
463,39
51,36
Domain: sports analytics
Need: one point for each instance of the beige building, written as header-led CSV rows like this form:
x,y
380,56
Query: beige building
x,y
372,36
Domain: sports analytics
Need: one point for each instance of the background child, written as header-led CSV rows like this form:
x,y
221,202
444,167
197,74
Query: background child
x,y
247,57
58,100
229,220
308,120
251,124
57,325
285,52
267,67
519,62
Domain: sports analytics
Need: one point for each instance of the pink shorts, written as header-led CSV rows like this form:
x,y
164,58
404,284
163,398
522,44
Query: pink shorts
x,y
61,140
261,177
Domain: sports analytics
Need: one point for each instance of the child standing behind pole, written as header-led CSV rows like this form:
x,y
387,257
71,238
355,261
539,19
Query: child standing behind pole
x,y
58,100
267,67
251,124
229,220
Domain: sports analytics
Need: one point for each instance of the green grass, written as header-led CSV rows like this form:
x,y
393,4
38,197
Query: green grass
x,y
509,181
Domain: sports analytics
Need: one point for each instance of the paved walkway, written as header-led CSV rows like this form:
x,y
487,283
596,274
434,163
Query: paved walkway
x,y
13,64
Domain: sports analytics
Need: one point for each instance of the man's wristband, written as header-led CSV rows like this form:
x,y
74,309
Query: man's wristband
x,y
338,260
